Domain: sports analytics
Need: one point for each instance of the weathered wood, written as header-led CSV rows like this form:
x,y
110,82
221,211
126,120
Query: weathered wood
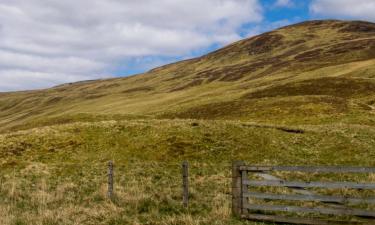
x,y
110,179
304,195
321,210
271,177
317,198
293,220
244,189
301,184
310,169
237,188
185,183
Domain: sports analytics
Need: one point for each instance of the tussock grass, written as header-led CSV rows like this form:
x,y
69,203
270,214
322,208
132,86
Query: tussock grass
x,y
300,95
57,174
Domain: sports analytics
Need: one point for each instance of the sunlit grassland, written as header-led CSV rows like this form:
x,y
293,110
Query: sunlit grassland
x,y
57,174
299,95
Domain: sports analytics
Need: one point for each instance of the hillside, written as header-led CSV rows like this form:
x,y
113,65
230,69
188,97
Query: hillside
x,y
300,95
312,72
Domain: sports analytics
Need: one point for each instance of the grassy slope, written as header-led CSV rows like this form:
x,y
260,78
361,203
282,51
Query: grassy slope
x,y
303,94
263,78
56,175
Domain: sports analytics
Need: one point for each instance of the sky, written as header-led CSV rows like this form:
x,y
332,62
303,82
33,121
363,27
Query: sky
x,y
44,43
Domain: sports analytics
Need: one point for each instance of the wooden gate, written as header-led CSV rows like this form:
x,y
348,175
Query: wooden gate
x,y
299,194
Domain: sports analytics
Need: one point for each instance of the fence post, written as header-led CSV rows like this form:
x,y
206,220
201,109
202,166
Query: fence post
x,y
237,188
110,179
185,183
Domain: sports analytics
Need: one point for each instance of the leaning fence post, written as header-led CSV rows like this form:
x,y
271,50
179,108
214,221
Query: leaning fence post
x,y
237,188
185,183
110,179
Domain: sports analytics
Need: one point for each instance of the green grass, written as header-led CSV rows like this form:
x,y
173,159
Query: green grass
x,y
300,95
57,174
307,73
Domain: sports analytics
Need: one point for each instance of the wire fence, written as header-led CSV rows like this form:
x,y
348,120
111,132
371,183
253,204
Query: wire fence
x,y
45,186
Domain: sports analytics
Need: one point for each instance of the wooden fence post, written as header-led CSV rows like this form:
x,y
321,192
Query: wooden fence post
x,y
110,179
185,183
237,188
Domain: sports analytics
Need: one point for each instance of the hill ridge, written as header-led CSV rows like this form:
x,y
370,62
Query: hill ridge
x,y
300,57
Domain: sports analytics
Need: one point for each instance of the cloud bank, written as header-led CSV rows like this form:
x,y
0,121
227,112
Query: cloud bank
x,y
345,9
44,43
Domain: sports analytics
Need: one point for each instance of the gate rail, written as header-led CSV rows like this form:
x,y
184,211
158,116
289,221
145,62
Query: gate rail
x,y
242,207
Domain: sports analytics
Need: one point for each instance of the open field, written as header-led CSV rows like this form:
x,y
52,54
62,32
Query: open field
x,y
57,174
299,95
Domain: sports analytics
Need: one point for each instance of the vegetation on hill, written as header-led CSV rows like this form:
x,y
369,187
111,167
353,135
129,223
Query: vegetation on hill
x,y
305,73
302,94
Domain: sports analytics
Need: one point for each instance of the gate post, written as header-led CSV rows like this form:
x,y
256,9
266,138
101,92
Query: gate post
x,y
237,188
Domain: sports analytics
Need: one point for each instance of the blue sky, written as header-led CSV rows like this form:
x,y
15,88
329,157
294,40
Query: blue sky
x,y
274,16
46,43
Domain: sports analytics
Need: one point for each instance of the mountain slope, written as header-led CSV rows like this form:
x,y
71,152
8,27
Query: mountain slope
x,y
312,72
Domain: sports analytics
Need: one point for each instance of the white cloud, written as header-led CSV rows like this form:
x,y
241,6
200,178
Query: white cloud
x,y
16,79
43,43
284,3
347,9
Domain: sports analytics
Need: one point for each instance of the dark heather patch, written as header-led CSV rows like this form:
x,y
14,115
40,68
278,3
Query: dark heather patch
x,y
297,42
365,44
229,73
138,89
93,96
291,130
309,55
333,86
358,26
107,86
193,83
265,43
53,100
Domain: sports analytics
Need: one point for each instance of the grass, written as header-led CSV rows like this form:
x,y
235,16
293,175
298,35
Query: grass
x,y
317,68
57,174
300,95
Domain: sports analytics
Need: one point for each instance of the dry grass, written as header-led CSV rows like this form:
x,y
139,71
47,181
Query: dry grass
x,y
299,65
299,95
57,174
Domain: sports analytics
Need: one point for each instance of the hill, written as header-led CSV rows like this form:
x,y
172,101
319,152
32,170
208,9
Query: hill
x,y
299,95
312,72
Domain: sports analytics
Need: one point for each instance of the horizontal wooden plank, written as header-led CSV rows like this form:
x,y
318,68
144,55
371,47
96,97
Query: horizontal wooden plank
x,y
293,220
302,184
320,210
317,198
310,169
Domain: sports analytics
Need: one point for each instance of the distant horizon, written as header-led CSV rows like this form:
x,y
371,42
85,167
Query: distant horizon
x,y
129,40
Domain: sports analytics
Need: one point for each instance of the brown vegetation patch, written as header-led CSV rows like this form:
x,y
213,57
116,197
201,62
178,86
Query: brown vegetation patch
x,y
359,26
296,42
274,108
309,55
107,86
358,45
364,49
265,43
138,89
94,96
230,73
53,100
334,86
193,83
